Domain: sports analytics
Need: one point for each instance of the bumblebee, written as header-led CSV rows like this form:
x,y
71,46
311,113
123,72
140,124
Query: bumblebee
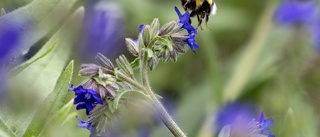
x,y
201,8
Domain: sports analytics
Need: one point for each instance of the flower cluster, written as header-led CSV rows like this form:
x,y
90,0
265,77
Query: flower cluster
x,y
103,93
96,93
164,43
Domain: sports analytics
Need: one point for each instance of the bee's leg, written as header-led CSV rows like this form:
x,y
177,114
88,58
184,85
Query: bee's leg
x,y
207,20
185,4
199,22
191,15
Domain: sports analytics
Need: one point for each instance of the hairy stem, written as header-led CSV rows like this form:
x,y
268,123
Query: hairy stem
x,y
160,110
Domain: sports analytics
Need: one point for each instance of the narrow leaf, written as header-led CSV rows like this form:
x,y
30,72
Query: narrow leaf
x,y
5,131
250,57
52,103
40,78
57,119
29,62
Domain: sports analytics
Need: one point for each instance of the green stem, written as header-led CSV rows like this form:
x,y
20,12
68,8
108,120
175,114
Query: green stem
x,y
163,114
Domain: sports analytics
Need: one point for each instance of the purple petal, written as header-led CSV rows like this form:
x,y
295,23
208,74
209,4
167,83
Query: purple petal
x,y
188,27
178,12
81,106
267,124
141,28
185,18
262,117
98,99
78,99
81,120
89,108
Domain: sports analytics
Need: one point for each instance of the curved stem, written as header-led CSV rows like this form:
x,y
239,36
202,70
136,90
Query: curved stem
x,y
161,111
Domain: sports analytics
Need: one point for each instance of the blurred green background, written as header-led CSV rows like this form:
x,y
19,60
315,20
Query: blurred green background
x,y
245,56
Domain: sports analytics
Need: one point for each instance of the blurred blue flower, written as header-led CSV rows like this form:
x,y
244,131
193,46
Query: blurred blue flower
x,y
10,46
192,32
296,11
86,124
265,125
304,12
85,98
232,111
103,30
240,117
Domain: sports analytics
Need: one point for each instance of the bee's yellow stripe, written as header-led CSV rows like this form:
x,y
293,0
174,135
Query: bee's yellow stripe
x,y
199,3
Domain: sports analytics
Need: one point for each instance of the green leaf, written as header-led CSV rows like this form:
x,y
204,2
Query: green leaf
x,y
119,96
149,53
57,119
40,78
29,62
135,64
5,131
250,57
52,103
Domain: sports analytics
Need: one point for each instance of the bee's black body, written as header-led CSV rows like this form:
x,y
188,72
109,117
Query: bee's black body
x,y
202,8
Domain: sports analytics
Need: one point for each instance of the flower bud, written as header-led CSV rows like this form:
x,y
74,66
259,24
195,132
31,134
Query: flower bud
x,y
104,61
89,70
167,29
154,28
132,47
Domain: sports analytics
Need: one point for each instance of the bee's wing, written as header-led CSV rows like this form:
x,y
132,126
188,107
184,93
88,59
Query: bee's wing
x,y
213,9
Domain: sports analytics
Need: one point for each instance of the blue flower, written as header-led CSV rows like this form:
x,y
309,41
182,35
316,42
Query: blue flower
x,y
85,98
86,124
184,19
265,125
192,32
295,11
